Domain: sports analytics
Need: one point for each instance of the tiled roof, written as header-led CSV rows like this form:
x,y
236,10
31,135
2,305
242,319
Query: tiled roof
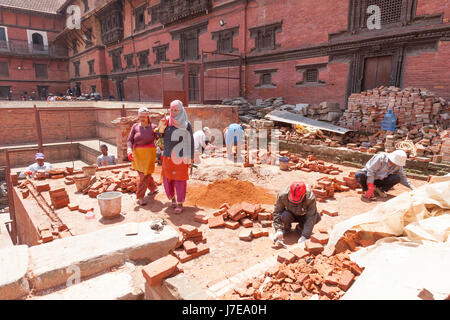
x,y
46,6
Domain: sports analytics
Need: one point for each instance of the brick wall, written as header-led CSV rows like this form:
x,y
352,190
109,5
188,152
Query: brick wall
x,y
425,70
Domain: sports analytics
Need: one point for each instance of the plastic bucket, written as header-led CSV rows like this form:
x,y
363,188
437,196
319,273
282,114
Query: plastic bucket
x,y
284,163
110,204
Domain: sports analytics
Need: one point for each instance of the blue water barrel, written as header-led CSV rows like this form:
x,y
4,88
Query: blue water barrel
x,y
388,123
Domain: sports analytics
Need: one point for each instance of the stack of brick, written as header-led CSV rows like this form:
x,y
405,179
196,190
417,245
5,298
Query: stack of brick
x,y
122,181
304,273
412,107
252,218
191,244
310,164
326,186
59,198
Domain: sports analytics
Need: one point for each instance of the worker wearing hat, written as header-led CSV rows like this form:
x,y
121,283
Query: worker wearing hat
x,y
39,165
201,139
295,203
382,172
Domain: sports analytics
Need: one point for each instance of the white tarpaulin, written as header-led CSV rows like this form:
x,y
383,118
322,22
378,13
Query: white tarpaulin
x,y
399,268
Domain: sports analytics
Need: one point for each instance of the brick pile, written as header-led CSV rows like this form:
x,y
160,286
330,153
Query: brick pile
x,y
191,244
327,186
311,164
252,218
122,181
59,198
303,273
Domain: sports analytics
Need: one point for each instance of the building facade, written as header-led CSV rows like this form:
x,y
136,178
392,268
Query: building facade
x,y
306,51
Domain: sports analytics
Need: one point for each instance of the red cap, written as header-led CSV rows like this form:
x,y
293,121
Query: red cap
x,y
297,192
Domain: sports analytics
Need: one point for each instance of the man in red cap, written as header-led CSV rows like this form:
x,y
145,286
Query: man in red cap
x,y
295,203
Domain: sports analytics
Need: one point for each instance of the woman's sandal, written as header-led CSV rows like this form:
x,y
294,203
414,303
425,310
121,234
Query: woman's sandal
x,y
142,202
174,203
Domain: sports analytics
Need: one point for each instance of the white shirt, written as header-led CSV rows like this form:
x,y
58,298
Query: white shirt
x,y
199,139
34,168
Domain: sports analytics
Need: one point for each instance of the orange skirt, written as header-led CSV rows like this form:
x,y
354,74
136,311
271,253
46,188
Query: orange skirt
x,y
173,171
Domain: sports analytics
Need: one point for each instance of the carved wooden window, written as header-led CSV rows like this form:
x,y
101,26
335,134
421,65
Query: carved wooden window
x,y
155,13
129,58
4,70
139,18
91,67
143,58
189,46
88,34
265,78
265,36
116,57
224,39
312,75
111,24
76,66
74,46
86,5
41,71
160,53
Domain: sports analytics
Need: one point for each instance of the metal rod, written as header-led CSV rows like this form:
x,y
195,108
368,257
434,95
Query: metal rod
x,y
38,129
202,81
186,83
240,76
71,140
123,113
12,208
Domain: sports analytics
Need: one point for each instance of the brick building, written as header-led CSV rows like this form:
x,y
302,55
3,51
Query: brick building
x,y
306,51
30,59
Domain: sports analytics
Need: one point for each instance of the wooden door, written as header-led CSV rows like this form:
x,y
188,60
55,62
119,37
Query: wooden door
x,y
377,72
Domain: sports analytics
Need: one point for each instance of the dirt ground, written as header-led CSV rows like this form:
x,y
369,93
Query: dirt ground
x,y
228,255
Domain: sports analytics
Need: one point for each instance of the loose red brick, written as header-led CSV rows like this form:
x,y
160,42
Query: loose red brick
x,y
321,238
357,270
41,187
333,279
246,235
188,229
25,193
184,257
232,224
296,287
235,210
257,233
299,253
425,295
265,233
314,248
239,216
302,277
247,223
225,205
93,193
57,192
68,182
218,213
345,280
46,236
112,187
193,235
57,176
97,185
286,257
328,290
216,222
72,206
248,207
189,247
200,218
84,209
159,269
263,216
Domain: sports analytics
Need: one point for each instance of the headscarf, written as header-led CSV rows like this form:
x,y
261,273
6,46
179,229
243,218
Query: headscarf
x,y
180,121
144,111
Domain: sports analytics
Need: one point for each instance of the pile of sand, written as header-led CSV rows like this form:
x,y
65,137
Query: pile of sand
x,y
229,191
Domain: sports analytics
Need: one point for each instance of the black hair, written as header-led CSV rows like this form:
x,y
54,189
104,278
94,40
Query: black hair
x,y
104,146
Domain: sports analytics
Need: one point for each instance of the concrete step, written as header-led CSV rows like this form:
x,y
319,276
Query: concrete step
x,y
53,263
5,239
126,283
14,262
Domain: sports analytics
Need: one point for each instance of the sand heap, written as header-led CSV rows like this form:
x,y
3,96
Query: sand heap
x,y
229,191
